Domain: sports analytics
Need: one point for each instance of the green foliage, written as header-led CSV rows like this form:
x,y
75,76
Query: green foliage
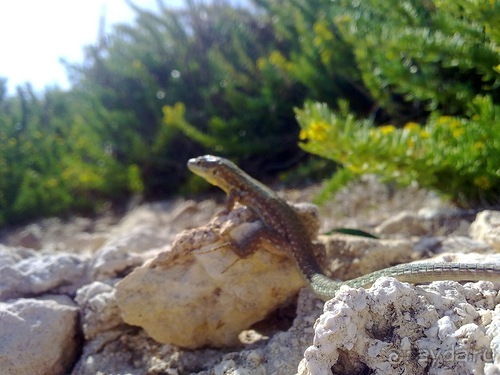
x,y
457,156
213,77
430,67
51,160
436,54
393,60
318,56
204,56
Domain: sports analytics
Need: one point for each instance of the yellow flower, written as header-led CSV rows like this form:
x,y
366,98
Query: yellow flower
x,y
457,132
387,129
277,59
482,182
443,120
424,134
261,63
172,114
449,121
455,124
354,168
323,31
412,126
317,131
303,135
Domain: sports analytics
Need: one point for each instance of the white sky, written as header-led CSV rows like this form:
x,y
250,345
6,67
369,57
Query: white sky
x,y
35,34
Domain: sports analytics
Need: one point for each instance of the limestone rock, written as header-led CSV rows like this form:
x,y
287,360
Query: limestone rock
x,y
125,251
353,256
486,228
33,273
99,312
10,255
38,336
75,235
202,293
405,223
462,245
127,350
285,349
427,221
279,355
395,328
444,221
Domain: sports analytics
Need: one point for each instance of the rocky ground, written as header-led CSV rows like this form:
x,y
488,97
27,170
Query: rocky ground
x,y
158,291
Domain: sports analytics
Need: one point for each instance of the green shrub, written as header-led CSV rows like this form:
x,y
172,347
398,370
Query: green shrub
x,y
457,156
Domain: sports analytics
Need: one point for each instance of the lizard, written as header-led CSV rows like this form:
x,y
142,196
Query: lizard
x,y
290,235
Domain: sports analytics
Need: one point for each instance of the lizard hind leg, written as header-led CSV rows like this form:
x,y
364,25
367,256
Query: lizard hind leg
x,y
248,238
245,239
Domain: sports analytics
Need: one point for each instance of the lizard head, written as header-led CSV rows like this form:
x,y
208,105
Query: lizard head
x,y
216,170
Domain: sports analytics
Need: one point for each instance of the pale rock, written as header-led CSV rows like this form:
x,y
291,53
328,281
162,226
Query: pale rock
x,y
127,350
250,364
405,223
171,216
494,332
33,273
201,293
491,369
30,237
139,236
395,328
422,321
9,256
143,233
125,251
465,257
427,221
486,228
444,221
352,256
130,351
75,235
433,212
281,353
285,349
99,311
38,336
450,244
88,243
463,244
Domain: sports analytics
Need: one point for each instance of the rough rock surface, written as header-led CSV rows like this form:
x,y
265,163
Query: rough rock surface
x,y
34,274
46,265
352,256
486,228
198,293
38,336
98,309
395,328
